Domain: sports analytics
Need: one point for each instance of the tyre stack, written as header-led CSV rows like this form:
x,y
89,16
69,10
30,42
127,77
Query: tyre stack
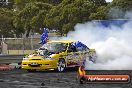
x,y
4,67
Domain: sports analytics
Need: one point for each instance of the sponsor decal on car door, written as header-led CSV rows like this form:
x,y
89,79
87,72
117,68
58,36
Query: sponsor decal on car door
x,y
72,59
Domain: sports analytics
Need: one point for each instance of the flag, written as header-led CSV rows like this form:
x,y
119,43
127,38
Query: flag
x,y
44,37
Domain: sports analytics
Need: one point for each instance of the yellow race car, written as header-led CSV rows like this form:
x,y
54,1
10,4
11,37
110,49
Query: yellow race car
x,y
58,55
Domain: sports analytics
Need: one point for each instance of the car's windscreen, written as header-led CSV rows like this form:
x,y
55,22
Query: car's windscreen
x,y
55,47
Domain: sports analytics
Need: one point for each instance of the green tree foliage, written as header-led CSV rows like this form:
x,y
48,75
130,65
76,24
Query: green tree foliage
x,y
70,12
20,4
62,15
6,25
31,17
53,2
125,5
101,13
118,8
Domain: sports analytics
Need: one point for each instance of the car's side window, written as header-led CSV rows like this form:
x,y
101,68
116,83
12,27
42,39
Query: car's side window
x,y
81,48
72,48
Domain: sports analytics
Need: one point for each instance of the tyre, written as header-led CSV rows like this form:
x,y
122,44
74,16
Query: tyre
x,y
61,65
82,80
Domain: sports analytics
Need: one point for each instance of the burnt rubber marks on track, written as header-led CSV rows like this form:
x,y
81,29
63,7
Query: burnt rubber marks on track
x,y
50,79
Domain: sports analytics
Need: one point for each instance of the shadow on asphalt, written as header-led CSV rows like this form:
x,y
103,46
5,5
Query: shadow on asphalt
x,y
55,71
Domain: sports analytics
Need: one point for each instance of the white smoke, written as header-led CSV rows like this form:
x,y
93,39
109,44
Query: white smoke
x,y
113,45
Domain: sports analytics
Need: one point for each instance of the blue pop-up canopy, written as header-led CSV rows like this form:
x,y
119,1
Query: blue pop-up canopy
x,y
107,23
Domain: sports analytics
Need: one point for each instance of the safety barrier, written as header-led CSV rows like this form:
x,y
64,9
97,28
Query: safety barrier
x,y
7,59
10,62
4,67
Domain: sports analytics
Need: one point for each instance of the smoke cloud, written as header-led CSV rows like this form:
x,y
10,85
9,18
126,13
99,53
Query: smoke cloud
x,y
112,44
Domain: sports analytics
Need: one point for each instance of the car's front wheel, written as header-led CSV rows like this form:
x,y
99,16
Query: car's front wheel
x,y
61,65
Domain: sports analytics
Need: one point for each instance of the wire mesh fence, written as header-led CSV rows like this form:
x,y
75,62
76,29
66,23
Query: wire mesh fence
x,y
18,45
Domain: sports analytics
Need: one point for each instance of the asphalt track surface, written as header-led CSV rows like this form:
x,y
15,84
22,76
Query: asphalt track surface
x,y
19,78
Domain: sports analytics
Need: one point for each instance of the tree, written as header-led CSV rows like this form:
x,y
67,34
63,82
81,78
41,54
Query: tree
x,y
70,12
31,16
20,4
118,8
125,5
6,25
101,14
62,15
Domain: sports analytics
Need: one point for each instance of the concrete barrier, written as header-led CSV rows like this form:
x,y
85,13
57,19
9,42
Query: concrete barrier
x,y
7,59
10,62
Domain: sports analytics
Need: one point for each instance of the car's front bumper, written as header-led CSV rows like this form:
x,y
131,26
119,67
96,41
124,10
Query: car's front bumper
x,y
39,64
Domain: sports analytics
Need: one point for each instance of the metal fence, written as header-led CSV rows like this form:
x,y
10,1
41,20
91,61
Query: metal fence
x,y
22,45
18,45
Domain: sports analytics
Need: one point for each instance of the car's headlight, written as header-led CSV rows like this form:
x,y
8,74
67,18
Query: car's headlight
x,y
25,58
48,58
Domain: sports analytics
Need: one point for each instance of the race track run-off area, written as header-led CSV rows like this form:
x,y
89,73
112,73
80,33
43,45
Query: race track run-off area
x,y
19,78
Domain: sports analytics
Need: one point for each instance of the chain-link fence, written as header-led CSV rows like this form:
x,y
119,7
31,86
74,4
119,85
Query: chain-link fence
x,y
18,45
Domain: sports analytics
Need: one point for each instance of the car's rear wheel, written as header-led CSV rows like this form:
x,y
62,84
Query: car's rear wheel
x,y
83,80
61,65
